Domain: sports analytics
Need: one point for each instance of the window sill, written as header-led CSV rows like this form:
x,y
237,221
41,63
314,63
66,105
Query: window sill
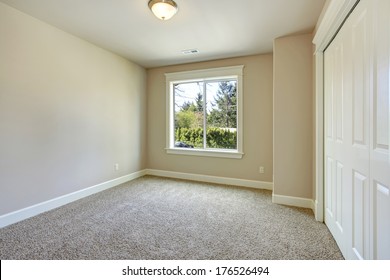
x,y
205,153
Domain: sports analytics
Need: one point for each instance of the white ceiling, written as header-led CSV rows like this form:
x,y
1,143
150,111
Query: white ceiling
x,y
217,28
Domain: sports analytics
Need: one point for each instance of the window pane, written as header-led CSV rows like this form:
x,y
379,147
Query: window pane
x,y
221,114
188,115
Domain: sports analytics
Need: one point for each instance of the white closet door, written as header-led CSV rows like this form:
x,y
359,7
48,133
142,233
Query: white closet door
x,y
380,133
359,85
357,129
335,142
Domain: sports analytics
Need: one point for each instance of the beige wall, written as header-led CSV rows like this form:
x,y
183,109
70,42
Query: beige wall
x,y
68,112
257,123
293,116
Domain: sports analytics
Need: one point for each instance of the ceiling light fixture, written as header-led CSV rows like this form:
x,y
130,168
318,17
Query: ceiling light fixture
x,y
163,9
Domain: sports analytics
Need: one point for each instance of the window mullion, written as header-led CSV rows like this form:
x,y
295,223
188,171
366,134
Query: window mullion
x,y
204,115
172,121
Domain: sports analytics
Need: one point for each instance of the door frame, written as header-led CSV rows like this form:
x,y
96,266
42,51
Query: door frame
x,y
331,19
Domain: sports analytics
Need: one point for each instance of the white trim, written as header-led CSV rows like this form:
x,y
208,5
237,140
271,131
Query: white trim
x,y
319,136
235,72
205,153
212,179
292,201
39,208
315,208
333,18
205,74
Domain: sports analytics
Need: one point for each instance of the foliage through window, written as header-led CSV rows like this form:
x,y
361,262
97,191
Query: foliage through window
x,y
206,114
204,111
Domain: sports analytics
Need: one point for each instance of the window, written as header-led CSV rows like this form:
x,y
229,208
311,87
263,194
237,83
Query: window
x,y
204,112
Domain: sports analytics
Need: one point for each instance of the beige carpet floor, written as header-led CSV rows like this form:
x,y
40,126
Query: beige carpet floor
x,y
158,218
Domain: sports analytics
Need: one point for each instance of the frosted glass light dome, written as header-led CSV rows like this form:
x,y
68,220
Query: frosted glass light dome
x,y
163,9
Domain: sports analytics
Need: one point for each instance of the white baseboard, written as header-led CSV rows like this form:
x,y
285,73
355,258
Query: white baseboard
x,y
318,212
314,206
22,214
293,201
211,179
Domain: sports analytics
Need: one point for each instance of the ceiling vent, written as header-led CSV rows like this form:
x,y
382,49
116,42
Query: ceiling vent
x,y
192,51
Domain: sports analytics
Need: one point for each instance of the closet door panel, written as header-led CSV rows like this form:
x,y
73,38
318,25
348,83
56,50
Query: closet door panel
x,y
335,142
380,132
359,149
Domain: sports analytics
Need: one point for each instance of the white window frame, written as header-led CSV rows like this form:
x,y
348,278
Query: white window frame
x,y
232,72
